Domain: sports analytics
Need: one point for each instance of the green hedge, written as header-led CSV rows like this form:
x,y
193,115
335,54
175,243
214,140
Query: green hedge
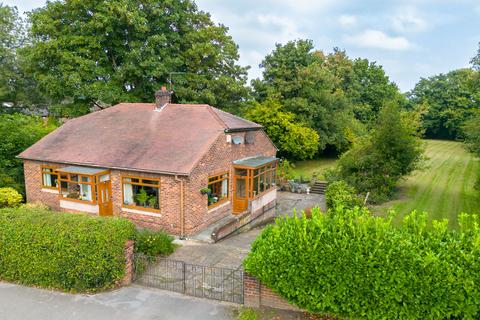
x,y
339,193
153,243
70,252
357,266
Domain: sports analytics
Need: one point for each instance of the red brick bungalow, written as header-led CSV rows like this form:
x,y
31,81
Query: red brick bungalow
x,y
153,163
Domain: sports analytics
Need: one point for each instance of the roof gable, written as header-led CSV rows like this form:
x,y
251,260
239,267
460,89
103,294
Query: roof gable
x,y
139,137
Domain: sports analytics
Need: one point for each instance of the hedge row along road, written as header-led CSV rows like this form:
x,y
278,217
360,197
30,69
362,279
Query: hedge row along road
x,y
444,188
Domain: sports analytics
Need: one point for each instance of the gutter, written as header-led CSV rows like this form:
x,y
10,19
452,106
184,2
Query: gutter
x,y
182,208
171,173
242,129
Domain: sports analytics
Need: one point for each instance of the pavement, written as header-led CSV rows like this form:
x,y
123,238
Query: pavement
x,y
128,303
230,252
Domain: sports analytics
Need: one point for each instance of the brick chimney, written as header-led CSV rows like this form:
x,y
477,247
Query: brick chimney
x,y
162,97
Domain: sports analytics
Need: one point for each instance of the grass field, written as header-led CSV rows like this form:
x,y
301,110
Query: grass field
x,y
443,189
306,168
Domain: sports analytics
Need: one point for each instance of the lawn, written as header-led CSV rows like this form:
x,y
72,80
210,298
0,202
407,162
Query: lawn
x,y
306,168
443,189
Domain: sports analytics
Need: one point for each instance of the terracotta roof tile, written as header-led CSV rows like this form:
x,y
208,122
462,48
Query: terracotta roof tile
x,y
139,137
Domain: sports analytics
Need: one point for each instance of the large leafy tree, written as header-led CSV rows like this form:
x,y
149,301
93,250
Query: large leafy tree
x,y
294,139
297,76
450,100
100,52
18,132
379,160
331,93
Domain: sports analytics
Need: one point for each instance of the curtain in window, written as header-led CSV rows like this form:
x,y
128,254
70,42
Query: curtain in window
x,y
127,193
47,180
225,187
86,192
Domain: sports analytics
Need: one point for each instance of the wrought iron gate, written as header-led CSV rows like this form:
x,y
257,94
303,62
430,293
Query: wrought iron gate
x,y
195,280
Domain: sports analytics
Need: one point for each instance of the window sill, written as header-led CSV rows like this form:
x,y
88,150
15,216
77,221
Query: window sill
x,y
78,200
50,190
145,212
218,205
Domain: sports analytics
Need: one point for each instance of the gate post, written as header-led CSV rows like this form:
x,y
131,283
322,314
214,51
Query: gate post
x,y
129,261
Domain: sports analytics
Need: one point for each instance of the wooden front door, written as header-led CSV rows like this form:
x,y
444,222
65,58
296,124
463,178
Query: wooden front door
x,y
240,191
104,198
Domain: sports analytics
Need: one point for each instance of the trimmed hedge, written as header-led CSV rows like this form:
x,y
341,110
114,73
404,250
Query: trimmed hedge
x,y
357,266
71,252
339,193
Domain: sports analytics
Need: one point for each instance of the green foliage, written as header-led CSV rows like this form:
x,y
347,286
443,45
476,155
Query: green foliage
x,y
247,314
142,197
451,99
377,162
471,131
18,132
357,266
340,194
10,198
63,251
152,243
294,139
336,96
85,53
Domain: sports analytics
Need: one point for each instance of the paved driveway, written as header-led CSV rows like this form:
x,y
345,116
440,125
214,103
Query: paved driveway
x,y
229,253
130,303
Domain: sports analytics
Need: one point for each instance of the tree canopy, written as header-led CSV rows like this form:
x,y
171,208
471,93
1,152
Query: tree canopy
x,y
294,139
327,92
379,160
450,99
103,52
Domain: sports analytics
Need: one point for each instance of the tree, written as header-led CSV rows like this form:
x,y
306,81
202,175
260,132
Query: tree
x,y
450,98
297,76
92,52
294,139
379,160
18,132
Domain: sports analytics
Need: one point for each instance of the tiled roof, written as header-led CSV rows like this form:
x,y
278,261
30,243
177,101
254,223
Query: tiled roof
x,y
139,137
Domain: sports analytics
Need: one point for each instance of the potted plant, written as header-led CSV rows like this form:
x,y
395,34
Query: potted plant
x,y
205,191
142,197
152,201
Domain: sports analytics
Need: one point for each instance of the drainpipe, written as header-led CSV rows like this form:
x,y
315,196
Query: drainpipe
x,y
182,208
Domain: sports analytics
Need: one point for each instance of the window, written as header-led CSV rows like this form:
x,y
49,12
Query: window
x,y
263,179
218,186
49,178
76,187
141,193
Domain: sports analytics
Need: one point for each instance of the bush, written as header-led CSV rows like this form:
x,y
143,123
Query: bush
x,y
70,252
357,266
152,243
10,198
339,193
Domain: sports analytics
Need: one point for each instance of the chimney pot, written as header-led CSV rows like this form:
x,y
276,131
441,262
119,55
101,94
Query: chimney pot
x,y
162,97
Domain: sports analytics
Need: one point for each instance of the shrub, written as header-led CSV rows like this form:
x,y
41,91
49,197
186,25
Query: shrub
x,y
70,252
357,266
152,243
9,197
339,193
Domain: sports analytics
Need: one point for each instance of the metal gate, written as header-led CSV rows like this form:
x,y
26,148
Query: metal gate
x,y
195,280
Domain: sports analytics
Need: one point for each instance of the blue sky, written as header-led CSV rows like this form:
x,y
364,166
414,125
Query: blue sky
x,y
410,39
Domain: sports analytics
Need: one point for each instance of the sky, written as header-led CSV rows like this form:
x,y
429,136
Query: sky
x,y
410,39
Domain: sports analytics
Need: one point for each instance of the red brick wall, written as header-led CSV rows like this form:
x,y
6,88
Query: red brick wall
x,y
257,295
197,216
129,261
217,160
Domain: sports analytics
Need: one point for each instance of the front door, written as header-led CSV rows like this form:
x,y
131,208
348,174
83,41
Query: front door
x,y
104,195
240,194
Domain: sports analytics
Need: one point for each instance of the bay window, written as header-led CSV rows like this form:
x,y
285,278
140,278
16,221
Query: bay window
x,y
76,187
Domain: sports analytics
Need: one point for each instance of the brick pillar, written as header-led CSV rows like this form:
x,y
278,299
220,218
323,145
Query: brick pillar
x,y
129,247
251,291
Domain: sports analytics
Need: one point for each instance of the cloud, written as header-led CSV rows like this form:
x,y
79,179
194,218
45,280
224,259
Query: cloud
x,y
408,20
347,21
378,40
